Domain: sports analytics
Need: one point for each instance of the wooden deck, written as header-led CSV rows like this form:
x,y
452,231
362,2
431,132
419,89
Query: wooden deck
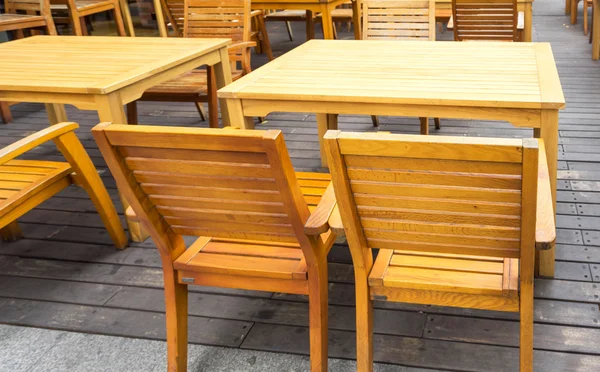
x,y
66,275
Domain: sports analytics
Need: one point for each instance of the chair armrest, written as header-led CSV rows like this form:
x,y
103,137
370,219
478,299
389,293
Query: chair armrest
x,y
32,141
545,229
335,222
521,21
317,223
241,45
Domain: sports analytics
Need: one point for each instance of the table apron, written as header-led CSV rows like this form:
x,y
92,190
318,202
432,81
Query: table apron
x,y
526,118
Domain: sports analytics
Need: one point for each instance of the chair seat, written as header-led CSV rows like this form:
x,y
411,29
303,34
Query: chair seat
x,y
452,279
193,82
20,180
9,19
270,260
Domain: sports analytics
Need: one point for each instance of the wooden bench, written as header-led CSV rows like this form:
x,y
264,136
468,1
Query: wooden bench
x,y
238,192
25,184
456,221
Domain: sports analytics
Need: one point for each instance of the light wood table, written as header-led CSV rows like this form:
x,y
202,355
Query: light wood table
x,y
514,82
596,30
102,73
317,6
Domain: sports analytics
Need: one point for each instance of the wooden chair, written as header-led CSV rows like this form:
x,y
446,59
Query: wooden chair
x,y
5,114
79,9
25,184
497,20
19,17
456,221
209,20
400,20
587,5
237,191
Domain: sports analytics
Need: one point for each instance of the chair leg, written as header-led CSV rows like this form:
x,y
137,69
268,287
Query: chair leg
x,y
5,113
375,120
132,113
574,4
176,301
87,177
119,20
201,111
213,105
318,302
288,26
424,125
11,232
364,327
266,43
75,23
84,26
438,125
526,329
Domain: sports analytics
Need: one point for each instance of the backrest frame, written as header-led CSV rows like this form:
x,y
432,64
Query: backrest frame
x,y
404,11
488,28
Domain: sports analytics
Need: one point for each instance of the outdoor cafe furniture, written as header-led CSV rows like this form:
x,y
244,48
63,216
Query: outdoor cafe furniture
x,y
513,82
474,20
456,221
387,20
574,4
596,30
206,19
79,9
18,18
238,192
5,113
102,73
25,184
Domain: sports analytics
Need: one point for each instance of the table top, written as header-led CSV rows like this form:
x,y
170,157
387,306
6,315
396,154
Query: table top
x,y
481,74
92,64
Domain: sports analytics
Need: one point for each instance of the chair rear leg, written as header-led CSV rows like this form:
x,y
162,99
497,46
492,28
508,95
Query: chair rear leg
x,y
176,301
11,232
424,125
5,113
288,26
438,125
317,303
375,120
526,328
264,40
119,20
132,113
213,105
364,327
201,111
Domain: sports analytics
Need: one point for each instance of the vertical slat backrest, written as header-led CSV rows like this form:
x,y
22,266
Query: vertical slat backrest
x,y
438,194
399,19
485,20
208,182
23,6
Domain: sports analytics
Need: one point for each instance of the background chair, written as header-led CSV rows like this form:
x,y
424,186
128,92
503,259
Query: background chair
x,y
5,114
19,17
455,220
25,184
238,191
79,9
400,20
497,20
205,19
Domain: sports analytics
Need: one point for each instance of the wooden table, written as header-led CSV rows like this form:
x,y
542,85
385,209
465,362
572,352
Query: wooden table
x,y
596,30
101,73
318,6
514,82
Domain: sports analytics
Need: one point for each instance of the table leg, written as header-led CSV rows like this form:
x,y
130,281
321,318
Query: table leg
x,y
310,25
127,17
574,4
327,23
110,109
223,76
527,32
567,7
236,115
596,31
356,19
324,123
549,133
56,113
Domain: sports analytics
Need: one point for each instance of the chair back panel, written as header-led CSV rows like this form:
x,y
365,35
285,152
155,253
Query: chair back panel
x,y
485,20
442,194
175,12
218,19
23,6
215,183
399,19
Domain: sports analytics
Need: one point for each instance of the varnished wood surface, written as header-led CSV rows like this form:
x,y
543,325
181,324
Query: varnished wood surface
x,y
66,266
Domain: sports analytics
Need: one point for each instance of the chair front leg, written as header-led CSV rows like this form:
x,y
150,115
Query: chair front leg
x,y
119,20
318,321
176,302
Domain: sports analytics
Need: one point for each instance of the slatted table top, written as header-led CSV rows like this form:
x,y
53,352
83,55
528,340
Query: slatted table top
x,y
481,74
94,64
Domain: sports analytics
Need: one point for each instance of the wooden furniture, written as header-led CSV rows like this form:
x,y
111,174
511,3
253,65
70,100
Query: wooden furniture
x,y
206,19
574,4
237,191
400,20
513,82
25,184
289,16
595,34
455,220
102,73
5,114
312,7
79,9
495,20
18,17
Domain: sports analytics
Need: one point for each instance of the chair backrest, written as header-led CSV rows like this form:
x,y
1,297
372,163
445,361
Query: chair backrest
x,y
207,182
218,18
399,19
485,20
24,6
455,195
174,10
